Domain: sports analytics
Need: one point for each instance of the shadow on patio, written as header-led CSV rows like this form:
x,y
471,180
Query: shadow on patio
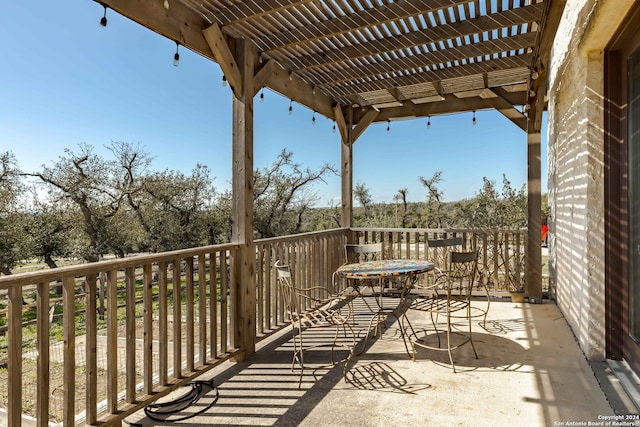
x,y
530,371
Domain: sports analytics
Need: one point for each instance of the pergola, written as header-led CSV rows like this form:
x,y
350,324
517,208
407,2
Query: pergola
x,y
358,62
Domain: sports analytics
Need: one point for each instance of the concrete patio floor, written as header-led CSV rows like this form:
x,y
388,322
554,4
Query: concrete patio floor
x,y
530,372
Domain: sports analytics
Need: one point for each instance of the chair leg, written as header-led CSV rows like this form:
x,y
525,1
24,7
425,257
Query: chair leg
x,y
299,354
470,334
435,327
484,323
453,366
408,333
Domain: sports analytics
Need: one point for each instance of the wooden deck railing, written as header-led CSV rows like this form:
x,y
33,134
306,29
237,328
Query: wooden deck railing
x,y
96,342
502,252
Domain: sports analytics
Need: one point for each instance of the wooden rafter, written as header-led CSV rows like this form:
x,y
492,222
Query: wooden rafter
x,y
405,58
225,58
426,36
494,98
364,19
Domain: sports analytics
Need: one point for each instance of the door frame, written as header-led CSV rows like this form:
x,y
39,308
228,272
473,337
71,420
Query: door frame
x,y
619,344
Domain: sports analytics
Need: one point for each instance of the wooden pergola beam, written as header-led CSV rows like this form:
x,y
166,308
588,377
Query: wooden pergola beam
x,y
219,45
294,88
450,104
263,74
182,24
505,63
338,116
494,98
364,122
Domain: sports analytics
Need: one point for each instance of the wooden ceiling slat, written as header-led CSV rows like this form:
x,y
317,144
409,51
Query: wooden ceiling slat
x,y
251,10
443,74
351,22
407,57
433,59
430,35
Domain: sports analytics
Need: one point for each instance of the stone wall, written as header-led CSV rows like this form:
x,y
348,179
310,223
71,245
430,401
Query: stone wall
x,y
576,166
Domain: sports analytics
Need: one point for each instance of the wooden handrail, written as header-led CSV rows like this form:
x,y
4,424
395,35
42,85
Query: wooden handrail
x,y
149,298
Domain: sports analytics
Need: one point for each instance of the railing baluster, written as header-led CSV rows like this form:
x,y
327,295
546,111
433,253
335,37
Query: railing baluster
x,y
147,353
69,350
189,313
177,318
130,333
163,329
202,308
268,289
260,309
223,302
496,258
506,257
14,370
213,303
91,372
112,341
42,410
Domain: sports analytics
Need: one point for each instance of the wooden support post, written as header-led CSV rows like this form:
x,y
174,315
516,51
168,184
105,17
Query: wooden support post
x,y
243,258
533,260
347,171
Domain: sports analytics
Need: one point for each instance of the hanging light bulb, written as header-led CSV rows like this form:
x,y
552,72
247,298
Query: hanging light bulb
x,y
474,117
388,125
166,4
224,81
103,20
291,107
535,74
262,96
176,56
313,119
428,122
334,126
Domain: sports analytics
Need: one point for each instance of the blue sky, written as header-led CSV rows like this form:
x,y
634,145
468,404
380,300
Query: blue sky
x,y
67,80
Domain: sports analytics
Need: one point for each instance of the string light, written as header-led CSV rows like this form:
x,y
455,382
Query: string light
x,y
474,117
313,119
428,122
262,95
388,125
535,74
291,107
224,81
334,126
176,56
103,20
166,4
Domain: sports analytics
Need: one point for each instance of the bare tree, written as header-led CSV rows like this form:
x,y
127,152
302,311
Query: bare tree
x,y
89,181
402,195
434,200
172,207
12,234
281,195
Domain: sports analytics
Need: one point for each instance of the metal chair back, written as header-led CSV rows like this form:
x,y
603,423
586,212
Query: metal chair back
x,y
362,252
